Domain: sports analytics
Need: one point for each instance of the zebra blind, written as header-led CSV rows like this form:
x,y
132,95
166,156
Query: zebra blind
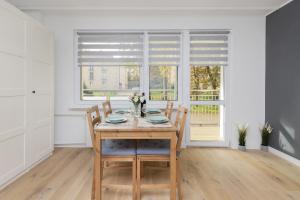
x,y
209,48
110,49
164,48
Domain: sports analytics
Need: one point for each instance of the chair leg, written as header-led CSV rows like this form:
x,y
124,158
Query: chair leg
x,y
134,181
93,184
106,164
138,179
179,180
142,169
102,168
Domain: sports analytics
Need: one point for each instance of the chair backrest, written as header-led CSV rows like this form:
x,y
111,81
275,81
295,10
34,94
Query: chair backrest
x,y
181,116
169,109
106,108
93,117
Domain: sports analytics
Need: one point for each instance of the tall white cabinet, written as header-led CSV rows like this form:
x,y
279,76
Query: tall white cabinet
x,y
26,92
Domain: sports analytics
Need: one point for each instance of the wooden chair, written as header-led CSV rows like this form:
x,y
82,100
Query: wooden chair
x,y
107,108
169,109
112,150
161,148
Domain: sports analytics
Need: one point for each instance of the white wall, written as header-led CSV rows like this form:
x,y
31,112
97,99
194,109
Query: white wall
x,y
246,89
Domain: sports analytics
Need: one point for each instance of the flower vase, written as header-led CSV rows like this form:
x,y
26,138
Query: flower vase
x,y
136,111
264,148
242,148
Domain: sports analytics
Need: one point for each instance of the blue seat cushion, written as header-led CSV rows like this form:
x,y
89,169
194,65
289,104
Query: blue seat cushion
x,y
153,147
119,147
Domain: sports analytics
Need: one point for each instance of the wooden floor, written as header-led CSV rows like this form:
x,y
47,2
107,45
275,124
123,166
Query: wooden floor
x,y
205,133
210,174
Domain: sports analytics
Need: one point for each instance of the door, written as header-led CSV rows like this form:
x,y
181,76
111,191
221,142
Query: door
x,y
40,93
206,76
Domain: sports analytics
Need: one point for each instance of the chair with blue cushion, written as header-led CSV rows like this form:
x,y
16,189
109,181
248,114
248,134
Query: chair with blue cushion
x,y
159,150
112,150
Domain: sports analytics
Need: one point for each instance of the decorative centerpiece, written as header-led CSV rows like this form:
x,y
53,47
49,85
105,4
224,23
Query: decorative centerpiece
x,y
242,130
136,100
265,131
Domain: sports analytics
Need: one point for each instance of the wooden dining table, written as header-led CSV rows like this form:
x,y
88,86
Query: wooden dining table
x,y
136,128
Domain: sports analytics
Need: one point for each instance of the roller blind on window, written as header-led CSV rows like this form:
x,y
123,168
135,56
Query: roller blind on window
x,y
164,48
110,49
209,48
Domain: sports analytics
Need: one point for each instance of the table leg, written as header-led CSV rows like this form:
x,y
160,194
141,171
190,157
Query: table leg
x,y
173,167
98,171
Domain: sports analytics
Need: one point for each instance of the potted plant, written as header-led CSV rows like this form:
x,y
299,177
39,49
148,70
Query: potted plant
x,y
265,131
242,130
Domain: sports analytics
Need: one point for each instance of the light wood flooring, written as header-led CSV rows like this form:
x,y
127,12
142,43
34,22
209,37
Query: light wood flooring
x,y
208,174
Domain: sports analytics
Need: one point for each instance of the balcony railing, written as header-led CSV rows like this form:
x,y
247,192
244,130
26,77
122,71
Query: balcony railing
x,y
204,95
195,95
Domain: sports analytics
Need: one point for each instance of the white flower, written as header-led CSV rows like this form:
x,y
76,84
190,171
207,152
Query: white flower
x,y
266,128
136,99
142,99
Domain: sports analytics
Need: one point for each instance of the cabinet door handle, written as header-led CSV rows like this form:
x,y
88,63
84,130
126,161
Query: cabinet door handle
x,y
33,92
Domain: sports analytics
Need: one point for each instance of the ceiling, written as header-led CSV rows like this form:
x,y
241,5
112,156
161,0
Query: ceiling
x,y
255,6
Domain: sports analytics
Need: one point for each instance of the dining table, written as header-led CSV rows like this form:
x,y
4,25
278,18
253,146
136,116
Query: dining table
x,y
136,128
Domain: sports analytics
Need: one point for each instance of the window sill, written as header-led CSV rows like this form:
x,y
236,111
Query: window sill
x,y
119,104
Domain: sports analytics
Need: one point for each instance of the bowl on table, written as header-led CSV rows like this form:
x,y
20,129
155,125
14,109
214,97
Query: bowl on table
x,y
157,119
153,111
122,111
115,119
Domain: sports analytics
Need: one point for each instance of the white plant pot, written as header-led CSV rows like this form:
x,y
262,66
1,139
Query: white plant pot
x,y
264,148
242,148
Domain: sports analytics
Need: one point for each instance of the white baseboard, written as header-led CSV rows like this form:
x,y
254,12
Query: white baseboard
x,y
285,156
11,180
81,145
6,178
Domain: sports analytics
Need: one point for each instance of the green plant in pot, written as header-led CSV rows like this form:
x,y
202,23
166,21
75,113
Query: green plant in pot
x,y
265,132
242,131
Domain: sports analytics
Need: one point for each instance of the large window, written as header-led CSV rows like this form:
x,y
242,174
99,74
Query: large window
x,y
115,64
110,64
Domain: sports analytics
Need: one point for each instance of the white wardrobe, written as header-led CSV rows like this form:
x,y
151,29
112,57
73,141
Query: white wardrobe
x,y
26,93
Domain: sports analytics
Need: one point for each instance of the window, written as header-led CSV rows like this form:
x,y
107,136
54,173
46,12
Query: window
x,y
164,59
208,57
115,64
111,62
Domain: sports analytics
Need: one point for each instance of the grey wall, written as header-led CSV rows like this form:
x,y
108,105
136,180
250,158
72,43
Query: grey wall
x,y
283,78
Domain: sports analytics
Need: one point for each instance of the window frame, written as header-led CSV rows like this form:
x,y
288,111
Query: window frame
x,y
224,103
144,71
179,100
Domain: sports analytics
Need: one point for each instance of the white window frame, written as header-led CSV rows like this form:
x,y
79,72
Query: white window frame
x,y
182,78
225,129
158,104
183,83
144,73
78,102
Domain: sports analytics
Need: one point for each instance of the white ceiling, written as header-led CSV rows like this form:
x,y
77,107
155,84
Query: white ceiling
x,y
255,6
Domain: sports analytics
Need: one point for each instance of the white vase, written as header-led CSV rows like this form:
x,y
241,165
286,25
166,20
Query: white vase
x,y
242,148
264,148
136,111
